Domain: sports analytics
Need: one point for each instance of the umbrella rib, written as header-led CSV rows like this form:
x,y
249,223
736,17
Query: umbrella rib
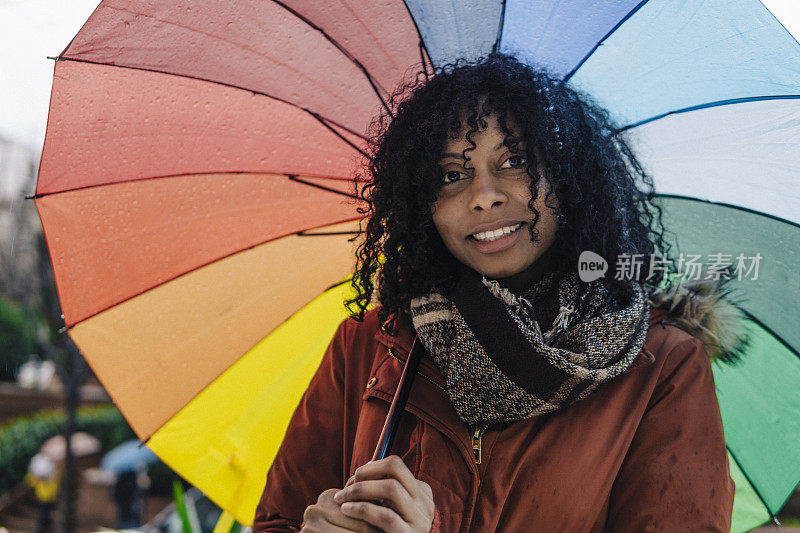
x,y
421,47
606,36
500,27
188,76
422,44
373,83
717,103
294,178
342,137
732,206
323,233
755,489
770,331
165,176
197,267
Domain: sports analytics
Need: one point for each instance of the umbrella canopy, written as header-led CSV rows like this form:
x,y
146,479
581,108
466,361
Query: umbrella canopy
x,y
129,456
195,176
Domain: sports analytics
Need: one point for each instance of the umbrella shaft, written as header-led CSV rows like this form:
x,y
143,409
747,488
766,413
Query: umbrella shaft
x,y
399,401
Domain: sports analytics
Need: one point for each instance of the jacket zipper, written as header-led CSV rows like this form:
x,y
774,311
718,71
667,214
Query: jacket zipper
x,y
477,436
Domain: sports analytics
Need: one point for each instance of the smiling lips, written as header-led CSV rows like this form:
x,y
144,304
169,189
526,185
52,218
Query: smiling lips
x,y
496,240
489,236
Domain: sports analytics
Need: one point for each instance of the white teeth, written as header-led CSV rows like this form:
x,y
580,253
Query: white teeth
x,y
488,236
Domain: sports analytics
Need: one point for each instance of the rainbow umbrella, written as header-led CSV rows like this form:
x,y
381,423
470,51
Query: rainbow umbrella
x,y
195,196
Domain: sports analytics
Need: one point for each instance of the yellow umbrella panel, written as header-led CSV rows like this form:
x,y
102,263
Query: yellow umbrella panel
x,y
189,365
226,438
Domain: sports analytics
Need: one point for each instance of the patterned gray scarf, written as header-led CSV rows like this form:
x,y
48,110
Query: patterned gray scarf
x,y
500,366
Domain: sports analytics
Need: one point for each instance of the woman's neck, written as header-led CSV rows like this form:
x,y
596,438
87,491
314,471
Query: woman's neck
x,y
522,280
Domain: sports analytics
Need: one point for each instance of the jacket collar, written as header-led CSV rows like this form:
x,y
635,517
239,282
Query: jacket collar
x,y
705,310
402,342
404,338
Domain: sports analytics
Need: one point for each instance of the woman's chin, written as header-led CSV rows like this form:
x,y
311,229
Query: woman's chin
x,y
508,268
518,277
501,274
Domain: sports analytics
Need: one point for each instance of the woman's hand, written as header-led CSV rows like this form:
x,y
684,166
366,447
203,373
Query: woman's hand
x,y
326,516
406,502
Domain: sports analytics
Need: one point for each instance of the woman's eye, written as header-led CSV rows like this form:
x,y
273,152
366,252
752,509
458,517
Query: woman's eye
x,y
451,176
514,161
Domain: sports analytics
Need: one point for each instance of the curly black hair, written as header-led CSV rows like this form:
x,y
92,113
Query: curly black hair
x,y
604,195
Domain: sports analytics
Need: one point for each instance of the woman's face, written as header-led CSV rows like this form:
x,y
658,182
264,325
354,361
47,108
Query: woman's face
x,y
482,212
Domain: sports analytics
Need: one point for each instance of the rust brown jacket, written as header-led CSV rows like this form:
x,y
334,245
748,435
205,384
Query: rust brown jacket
x,y
644,452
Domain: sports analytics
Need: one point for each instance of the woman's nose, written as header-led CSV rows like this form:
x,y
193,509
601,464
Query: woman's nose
x,y
485,191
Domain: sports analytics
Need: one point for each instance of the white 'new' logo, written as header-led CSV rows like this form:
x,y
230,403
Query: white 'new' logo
x,y
591,266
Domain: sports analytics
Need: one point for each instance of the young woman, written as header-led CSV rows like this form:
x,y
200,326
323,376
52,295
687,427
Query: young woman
x,y
544,402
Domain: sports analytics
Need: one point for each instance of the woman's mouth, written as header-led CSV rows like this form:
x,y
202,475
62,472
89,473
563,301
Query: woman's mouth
x,y
490,236
497,240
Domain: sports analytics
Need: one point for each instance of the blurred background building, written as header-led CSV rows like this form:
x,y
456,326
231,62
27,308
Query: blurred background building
x,y
19,224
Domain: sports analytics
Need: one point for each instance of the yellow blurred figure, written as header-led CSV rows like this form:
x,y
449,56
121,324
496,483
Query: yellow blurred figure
x,y
44,475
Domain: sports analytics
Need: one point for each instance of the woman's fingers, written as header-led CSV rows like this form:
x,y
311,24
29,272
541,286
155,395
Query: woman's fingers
x,y
326,515
387,495
392,467
377,515
388,492
318,527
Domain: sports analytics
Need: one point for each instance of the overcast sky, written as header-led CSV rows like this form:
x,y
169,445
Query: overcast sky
x,y
31,30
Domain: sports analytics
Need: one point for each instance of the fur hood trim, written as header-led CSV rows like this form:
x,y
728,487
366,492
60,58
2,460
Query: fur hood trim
x,y
705,310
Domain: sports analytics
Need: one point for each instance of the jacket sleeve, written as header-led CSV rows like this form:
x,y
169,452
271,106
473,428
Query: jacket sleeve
x,y
309,460
675,475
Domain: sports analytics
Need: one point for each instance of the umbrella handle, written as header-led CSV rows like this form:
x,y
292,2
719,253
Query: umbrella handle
x,y
399,400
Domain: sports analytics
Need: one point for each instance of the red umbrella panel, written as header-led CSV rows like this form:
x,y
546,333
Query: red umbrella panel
x,y
148,178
